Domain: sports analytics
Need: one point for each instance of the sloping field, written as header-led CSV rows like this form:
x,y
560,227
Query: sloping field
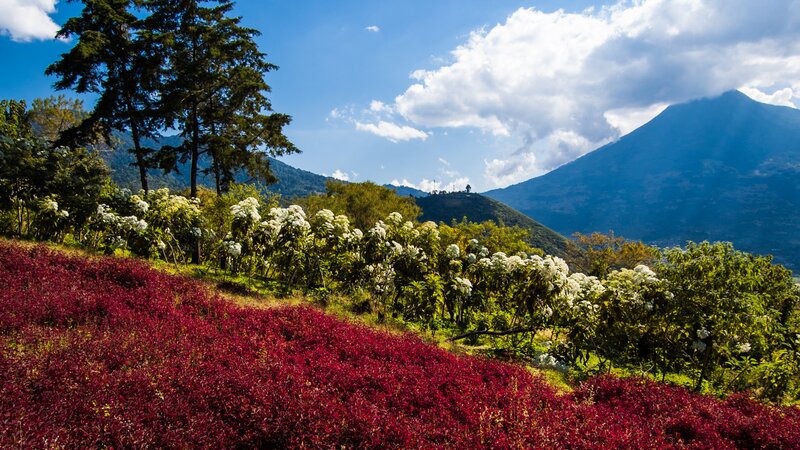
x,y
109,353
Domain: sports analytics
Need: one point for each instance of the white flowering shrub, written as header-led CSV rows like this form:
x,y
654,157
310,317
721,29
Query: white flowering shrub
x,y
50,221
719,316
153,224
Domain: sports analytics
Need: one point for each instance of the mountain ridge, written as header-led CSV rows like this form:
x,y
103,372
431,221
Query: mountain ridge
x,y
723,168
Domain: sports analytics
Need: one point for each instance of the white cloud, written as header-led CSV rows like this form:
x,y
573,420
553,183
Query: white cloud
x,y
502,172
565,82
626,120
426,185
27,20
380,107
373,28
781,97
340,175
392,131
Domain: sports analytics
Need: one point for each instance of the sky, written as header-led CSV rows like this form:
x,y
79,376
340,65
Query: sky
x,y
438,94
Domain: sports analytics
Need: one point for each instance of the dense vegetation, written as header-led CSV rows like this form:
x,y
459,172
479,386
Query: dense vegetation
x,y
722,319
458,206
108,353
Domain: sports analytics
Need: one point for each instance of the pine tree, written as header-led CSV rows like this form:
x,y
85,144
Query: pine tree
x,y
215,92
114,59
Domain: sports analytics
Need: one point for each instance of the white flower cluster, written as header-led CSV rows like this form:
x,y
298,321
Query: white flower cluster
x,y
644,275
106,215
51,206
394,218
395,247
702,333
546,360
378,231
428,231
463,286
139,205
132,223
382,276
744,348
292,219
586,286
246,210
232,249
452,251
172,206
322,223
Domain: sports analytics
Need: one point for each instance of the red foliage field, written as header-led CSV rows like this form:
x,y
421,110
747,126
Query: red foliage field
x,y
109,353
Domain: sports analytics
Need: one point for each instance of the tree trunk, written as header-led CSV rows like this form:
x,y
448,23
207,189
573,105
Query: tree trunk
x,y
195,148
137,146
704,369
492,333
140,162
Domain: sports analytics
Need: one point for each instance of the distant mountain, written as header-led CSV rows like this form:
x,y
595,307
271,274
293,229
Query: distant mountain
x,y
478,208
725,168
292,182
406,191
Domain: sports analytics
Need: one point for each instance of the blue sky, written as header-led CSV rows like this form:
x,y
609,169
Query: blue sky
x,y
441,93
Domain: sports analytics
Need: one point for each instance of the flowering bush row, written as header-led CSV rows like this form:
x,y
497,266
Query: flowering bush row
x,y
107,353
745,339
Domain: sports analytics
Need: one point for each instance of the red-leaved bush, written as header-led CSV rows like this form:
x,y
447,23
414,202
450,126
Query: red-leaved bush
x,y
108,353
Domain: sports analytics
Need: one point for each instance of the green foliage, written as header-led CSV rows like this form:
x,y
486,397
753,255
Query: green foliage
x,y
31,171
363,203
510,240
463,206
598,254
214,91
115,58
14,122
730,306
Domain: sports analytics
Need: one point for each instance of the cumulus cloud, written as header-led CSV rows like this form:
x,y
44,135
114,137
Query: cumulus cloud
x,y
563,83
27,20
427,185
373,28
340,175
376,106
392,131
782,97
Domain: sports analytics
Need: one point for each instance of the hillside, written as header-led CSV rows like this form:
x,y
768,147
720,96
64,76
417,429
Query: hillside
x,y
407,191
103,352
478,208
292,182
720,169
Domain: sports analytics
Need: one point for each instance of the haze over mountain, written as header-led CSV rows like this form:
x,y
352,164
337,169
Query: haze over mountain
x,y
718,169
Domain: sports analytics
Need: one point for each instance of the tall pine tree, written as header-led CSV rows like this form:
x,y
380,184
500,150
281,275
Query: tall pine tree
x,y
113,59
215,91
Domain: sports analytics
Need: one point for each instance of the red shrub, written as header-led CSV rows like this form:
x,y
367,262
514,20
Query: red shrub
x,y
108,353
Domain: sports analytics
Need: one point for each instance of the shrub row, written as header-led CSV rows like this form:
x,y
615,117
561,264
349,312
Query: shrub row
x,y
108,353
